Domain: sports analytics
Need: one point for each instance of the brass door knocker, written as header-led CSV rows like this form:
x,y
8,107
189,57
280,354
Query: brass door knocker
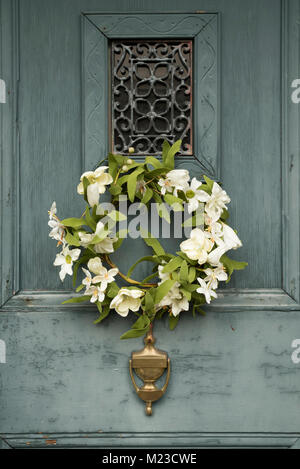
x,y
149,364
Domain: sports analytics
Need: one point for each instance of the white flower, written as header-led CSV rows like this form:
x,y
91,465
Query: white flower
x,y
175,300
95,265
97,294
127,300
65,259
197,246
173,294
178,305
58,230
177,179
85,238
206,290
163,275
195,195
214,230
98,179
216,202
105,277
87,281
215,275
52,211
106,246
165,186
215,255
92,193
231,239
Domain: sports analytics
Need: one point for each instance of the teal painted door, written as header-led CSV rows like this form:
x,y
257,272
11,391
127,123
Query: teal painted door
x,y
233,380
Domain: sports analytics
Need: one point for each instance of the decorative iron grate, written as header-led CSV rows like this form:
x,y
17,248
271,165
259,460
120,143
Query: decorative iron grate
x,y
151,95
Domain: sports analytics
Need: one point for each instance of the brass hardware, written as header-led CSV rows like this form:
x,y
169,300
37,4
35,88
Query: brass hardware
x,y
149,364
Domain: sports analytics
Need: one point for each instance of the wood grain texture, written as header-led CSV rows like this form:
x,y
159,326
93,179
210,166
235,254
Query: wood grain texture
x,y
204,29
4,444
250,140
154,440
9,241
94,95
136,25
230,371
290,148
64,374
230,300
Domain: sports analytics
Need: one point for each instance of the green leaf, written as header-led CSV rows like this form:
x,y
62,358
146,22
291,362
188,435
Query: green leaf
x,y
147,196
225,215
79,288
116,215
153,161
142,322
148,301
184,272
163,289
139,328
73,222
89,219
85,183
184,256
232,265
209,182
131,183
121,235
192,274
196,308
161,208
134,333
175,148
103,312
173,321
77,299
191,287
156,172
174,202
115,189
71,239
100,237
163,212
113,165
112,290
142,259
82,260
173,265
165,150
153,243
150,277
186,293
195,220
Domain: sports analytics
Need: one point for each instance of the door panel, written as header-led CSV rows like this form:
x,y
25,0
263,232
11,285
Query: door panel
x,y
230,369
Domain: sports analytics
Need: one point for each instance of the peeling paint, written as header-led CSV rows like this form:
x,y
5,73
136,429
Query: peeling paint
x,y
50,442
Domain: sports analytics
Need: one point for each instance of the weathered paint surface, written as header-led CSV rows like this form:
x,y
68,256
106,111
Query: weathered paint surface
x,y
65,381
229,371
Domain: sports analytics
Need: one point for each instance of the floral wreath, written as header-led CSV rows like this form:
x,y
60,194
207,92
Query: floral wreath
x,y
186,280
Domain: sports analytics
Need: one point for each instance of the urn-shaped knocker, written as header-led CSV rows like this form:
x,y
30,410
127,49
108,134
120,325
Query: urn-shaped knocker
x,y
149,364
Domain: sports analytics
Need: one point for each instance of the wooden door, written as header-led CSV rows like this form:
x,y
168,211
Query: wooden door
x,y
65,381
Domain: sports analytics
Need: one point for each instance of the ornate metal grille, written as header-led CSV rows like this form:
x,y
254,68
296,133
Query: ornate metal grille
x,y
151,95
